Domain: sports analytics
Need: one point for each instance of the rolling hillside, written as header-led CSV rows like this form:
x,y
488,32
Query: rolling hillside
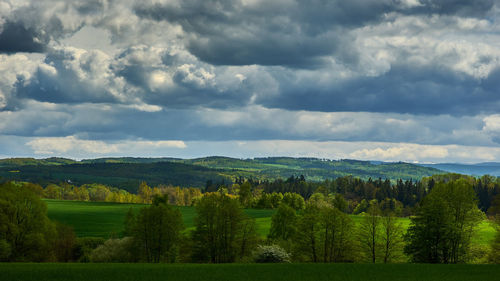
x,y
127,173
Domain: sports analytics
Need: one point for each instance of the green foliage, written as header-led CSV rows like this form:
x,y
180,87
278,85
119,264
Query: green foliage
x,y
24,227
5,250
114,250
283,223
128,173
324,234
293,200
494,254
223,232
156,231
123,175
369,233
245,195
65,243
270,254
441,231
391,238
84,247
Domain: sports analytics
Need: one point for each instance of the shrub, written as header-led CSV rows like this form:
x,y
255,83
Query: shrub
x,y
271,254
4,250
85,246
114,250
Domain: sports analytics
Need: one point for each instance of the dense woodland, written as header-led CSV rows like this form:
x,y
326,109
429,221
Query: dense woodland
x,y
128,173
399,196
311,223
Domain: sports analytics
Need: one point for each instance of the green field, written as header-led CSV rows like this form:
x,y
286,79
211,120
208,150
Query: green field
x,y
247,272
98,219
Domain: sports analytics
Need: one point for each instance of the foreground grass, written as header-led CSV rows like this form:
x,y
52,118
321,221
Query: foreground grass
x,y
100,219
244,272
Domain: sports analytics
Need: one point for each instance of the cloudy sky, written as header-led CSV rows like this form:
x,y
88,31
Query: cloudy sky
x,y
393,80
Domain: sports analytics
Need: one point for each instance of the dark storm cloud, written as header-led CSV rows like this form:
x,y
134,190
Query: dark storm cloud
x,y
295,34
404,89
15,37
465,8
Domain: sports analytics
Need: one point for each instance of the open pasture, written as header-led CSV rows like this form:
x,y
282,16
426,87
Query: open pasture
x,y
100,219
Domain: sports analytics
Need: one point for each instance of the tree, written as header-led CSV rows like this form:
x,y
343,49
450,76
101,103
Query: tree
x,y
283,223
129,223
494,256
223,232
65,243
339,202
245,194
442,228
26,234
323,235
369,233
391,237
306,239
157,231
293,200
145,192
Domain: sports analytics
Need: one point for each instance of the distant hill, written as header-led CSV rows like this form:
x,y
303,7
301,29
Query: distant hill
x,y
489,168
15,162
122,175
128,172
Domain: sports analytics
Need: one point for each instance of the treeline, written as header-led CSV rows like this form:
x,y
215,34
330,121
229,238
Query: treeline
x,y
400,196
101,193
321,231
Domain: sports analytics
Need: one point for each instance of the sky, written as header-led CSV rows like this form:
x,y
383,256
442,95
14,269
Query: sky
x,y
389,80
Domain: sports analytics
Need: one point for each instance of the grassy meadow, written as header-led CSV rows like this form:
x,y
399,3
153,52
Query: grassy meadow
x,y
103,219
244,272
100,219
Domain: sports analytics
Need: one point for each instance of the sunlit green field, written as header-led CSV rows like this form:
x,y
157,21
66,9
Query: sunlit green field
x,y
247,272
97,219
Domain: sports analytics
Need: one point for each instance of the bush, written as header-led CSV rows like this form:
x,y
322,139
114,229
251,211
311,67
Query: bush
x,y
85,246
4,250
271,254
114,250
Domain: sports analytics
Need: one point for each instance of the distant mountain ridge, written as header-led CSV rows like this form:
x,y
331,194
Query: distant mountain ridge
x,y
479,169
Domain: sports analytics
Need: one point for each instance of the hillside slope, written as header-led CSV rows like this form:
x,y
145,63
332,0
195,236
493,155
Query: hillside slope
x,y
128,172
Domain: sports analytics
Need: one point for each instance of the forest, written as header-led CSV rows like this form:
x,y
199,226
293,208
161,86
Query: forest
x,y
127,173
312,222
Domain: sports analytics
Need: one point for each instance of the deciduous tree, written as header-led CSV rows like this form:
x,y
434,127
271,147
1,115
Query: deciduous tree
x,y
442,229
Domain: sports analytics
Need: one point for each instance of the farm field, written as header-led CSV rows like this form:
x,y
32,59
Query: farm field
x,y
243,272
103,219
100,219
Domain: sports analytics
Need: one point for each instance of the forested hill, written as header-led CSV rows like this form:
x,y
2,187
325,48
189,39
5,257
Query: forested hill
x,y
129,172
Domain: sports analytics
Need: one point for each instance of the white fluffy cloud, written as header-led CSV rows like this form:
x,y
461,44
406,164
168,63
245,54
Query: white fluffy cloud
x,y
73,146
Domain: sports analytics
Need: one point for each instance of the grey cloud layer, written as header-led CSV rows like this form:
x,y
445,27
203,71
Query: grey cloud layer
x,y
417,71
